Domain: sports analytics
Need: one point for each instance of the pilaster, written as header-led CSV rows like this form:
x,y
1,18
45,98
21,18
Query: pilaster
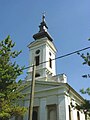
x,y
43,111
62,112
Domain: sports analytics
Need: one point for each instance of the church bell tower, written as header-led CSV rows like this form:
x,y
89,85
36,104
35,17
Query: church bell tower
x,y
43,52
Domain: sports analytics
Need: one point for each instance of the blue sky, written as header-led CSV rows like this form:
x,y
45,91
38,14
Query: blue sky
x,y
69,25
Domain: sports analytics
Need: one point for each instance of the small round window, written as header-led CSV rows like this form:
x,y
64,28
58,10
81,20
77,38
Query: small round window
x,y
38,51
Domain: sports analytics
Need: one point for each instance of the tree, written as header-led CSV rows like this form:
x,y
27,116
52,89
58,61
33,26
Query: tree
x,y
9,87
86,59
86,106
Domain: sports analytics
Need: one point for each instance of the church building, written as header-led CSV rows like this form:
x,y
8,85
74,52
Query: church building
x,y
54,98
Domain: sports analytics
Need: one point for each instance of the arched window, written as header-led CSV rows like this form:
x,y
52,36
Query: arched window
x,y
78,115
37,60
37,75
35,115
50,53
50,62
52,112
69,112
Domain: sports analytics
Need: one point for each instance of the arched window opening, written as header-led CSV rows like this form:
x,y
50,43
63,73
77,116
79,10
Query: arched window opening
x,y
52,112
50,53
37,75
37,60
78,115
35,115
50,62
69,112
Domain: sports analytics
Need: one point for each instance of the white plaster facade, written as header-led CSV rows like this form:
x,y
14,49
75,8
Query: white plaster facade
x,y
57,95
54,98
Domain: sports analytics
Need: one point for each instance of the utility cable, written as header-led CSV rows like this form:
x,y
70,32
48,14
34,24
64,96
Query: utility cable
x,y
65,55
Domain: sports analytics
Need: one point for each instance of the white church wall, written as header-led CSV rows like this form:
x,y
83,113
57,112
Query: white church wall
x,y
43,112
61,108
52,99
56,98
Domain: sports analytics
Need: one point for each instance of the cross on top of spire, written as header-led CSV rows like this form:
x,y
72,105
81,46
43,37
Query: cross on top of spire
x,y
43,26
42,30
43,17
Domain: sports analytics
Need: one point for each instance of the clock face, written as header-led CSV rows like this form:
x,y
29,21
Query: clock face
x,y
38,51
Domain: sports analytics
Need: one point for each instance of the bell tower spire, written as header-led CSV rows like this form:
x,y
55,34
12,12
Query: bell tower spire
x,y
42,30
42,51
43,25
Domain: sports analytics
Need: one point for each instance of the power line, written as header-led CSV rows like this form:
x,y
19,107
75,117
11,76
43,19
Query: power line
x,y
65,55
77,51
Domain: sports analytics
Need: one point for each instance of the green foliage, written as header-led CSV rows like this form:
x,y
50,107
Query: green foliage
x,y
9,109
86,58
86,106
9,88
87,91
